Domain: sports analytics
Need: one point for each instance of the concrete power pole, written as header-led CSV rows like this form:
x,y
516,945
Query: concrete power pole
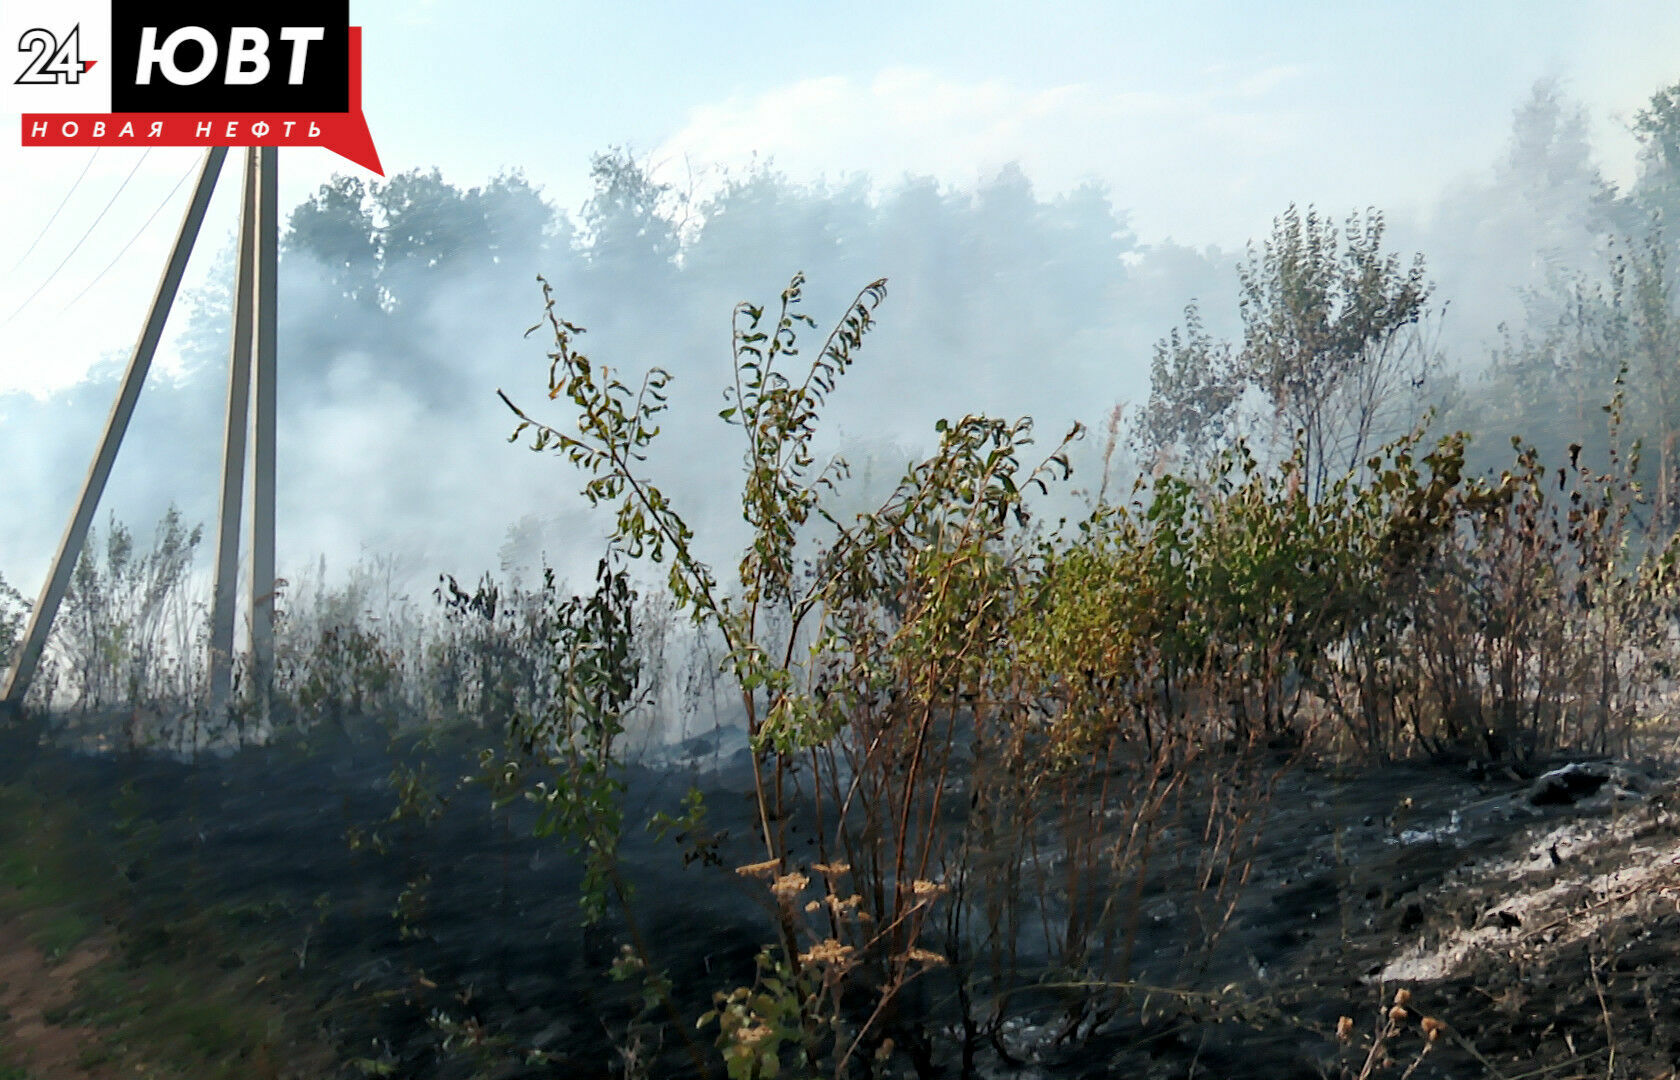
x,y
253,346
263,582
253,342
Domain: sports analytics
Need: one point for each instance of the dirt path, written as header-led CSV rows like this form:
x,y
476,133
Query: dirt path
x,y
32,986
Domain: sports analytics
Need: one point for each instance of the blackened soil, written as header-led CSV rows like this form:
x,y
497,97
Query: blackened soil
x,y
447,942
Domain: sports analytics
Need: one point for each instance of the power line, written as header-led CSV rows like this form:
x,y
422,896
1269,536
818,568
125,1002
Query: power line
x,y
132,239
83,240
54,217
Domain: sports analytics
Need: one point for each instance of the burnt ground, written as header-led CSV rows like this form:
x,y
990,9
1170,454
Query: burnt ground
x,y
1544,934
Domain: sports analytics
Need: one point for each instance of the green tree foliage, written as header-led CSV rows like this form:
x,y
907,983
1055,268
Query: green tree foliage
x,y
1551,382
1195,388
382,242
1329,336
392,255
632,222
1602,304
1549,379
1645,331
1333,342
1657,126
336,227
1562,198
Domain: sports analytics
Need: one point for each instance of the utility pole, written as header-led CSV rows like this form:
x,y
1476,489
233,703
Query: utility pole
x,y
253,345
251,382
263,581
226,581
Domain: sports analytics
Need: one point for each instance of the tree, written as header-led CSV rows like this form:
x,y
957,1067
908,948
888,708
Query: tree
x,y
1562,203
1658,128
1550,383
1548,380
521,227
336,227
1657,193
632,223
391,243
1195,385
1645,315
1330,336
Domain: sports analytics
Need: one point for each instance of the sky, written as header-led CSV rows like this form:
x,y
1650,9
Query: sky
x,y
1202,120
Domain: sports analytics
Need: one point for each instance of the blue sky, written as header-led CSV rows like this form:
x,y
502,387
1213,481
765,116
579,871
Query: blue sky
x,y
1204,120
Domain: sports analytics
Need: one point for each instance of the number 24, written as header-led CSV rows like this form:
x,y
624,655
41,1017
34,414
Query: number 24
x,y
52,62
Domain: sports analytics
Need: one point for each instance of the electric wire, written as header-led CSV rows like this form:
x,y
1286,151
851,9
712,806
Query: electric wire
x,y
55,213
79,243
150,218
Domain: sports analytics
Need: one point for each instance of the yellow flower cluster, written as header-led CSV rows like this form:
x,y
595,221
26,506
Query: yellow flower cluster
x,y
789,886
751,1034
927,891
829,953
841,906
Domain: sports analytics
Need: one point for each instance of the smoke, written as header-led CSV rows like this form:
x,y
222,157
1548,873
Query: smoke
x,y
404,309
